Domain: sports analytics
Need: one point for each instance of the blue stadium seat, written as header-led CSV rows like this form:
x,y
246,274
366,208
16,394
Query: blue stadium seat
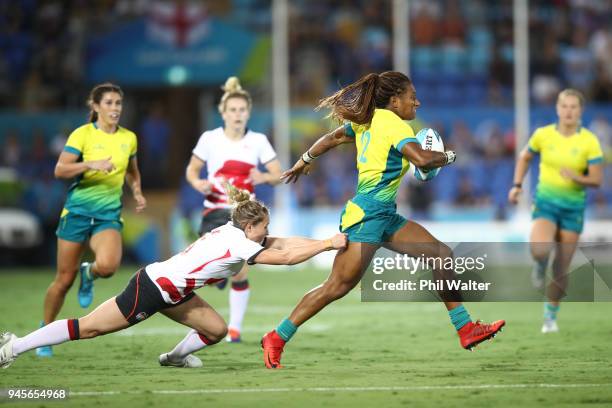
x,y
446,184
479,58
479,173
502,173
453,60
424,58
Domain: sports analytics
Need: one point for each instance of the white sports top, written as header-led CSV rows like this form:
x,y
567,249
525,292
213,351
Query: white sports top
x,y
231,160
217,255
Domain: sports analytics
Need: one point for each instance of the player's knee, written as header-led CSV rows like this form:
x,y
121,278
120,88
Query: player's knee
x,y
540,251
540,255
87,331
62,284
216,333
221,333
105,269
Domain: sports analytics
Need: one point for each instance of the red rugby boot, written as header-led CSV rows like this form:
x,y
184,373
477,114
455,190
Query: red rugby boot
x,y
473,334
272,345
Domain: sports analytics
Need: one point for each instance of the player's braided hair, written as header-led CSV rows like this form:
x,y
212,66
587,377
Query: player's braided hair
x,y
356,102
233,89
245,210
96,94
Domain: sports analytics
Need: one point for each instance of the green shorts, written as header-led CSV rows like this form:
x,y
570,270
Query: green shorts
x,y
79,228
563,218
367,220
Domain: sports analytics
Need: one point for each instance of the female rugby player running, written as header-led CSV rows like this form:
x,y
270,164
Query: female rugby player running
x,y
99,158
168,286
374,109
571,160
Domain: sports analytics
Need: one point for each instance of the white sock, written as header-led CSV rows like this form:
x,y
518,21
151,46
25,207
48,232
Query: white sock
x,y
191,343
56,332
238,301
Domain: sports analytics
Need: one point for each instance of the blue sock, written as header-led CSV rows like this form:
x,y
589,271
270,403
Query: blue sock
x,y
286,329
459,317
550,311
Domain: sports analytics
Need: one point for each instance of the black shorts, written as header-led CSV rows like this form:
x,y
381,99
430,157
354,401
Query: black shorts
x,y
213,218
141,299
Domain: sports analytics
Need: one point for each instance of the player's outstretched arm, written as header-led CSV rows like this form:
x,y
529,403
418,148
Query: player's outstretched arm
x,y
287,243
322,145
427,159
297,250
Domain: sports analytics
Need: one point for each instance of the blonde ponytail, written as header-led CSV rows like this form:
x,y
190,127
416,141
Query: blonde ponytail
x,y
233,89
245,210
236,195
232,84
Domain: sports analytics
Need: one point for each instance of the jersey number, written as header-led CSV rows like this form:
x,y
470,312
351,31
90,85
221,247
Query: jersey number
x,y
365,141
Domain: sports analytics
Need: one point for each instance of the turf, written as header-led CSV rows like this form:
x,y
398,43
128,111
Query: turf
x,y
352,354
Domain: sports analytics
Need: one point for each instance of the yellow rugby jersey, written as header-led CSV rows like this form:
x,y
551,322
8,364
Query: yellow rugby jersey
x,y
380,163
556,151
95,193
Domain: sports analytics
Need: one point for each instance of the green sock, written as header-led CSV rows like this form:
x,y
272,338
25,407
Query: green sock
x,y
286,329
459,317
550,311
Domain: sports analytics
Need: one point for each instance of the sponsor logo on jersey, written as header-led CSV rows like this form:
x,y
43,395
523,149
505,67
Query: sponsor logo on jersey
x,y
141,316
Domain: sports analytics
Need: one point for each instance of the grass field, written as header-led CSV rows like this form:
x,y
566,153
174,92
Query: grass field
x,y
352,354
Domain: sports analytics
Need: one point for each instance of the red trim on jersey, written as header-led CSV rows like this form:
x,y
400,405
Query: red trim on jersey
x,y
237,173
167,285
136,298
190,284
199,268
211,281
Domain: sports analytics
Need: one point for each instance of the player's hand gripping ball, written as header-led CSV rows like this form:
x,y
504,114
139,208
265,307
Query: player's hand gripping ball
x,y
429,140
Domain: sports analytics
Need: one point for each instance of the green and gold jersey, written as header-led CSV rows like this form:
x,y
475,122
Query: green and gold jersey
x,y
556,151
94,193
380,162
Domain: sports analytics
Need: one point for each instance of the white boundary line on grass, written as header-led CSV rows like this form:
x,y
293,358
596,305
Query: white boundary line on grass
x,y
338,389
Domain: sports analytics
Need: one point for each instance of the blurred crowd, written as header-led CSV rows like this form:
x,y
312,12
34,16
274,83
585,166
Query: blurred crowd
x,y
458,48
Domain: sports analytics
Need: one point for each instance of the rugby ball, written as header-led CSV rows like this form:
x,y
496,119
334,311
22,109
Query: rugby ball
x,y
429,140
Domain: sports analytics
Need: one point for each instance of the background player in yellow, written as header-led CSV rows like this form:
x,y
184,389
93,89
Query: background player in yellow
x,y
99,156
374,109
571,159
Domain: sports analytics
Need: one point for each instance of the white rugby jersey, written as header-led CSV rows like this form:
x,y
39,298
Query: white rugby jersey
x,y
217,255
231,160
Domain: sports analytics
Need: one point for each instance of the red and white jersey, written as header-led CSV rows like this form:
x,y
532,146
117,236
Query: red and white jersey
x,y
217,255
231,160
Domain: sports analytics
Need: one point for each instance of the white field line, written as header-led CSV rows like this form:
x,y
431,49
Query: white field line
x,y
339,389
